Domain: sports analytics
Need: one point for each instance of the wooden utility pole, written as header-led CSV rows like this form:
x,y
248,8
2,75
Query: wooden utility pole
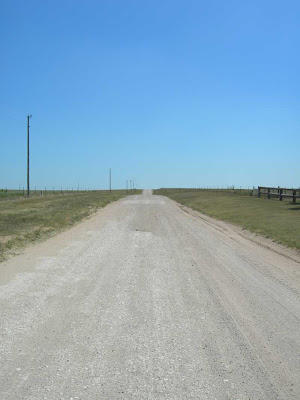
x,y
28,126
110,179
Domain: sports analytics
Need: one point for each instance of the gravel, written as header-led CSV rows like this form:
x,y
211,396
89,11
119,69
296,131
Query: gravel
x,y
146,300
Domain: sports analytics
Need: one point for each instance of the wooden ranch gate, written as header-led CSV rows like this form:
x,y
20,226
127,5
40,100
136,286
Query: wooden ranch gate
x,y
279,192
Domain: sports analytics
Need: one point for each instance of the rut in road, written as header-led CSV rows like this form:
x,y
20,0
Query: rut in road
x,y
144,301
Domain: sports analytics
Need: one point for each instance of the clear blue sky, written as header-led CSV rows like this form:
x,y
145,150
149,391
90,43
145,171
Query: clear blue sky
x,y
170,93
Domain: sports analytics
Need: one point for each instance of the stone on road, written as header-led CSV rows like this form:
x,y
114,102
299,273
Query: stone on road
x,y
147,301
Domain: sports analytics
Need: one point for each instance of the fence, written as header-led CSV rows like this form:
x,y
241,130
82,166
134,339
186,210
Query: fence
x,y
281,193
7,194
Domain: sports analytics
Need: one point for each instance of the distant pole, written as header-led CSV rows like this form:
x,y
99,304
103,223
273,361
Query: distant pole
x,y
28,126
127,186
110,179
133,184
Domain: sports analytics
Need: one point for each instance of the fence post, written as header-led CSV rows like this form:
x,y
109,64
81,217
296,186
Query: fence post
x,y
258,191
269,195
280,194
294,196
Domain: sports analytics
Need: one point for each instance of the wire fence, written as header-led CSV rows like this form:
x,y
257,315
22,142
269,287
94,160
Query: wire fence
x,y
14,194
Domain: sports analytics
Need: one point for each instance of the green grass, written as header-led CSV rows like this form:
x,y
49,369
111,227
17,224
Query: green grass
x,y
278,220
8,194
24,221
5,194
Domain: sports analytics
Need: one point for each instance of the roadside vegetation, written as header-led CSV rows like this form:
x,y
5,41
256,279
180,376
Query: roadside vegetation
x,y
8,194
27,220
278,220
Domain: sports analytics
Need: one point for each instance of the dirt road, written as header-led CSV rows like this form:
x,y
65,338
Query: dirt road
x,y
148,301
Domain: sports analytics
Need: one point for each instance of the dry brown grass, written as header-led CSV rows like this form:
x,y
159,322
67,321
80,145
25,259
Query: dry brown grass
x,y
33,219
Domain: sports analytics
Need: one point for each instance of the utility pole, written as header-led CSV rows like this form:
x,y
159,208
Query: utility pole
x,y
28,126
110,179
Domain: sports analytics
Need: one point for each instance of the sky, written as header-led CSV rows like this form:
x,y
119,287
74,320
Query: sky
x,y
169,93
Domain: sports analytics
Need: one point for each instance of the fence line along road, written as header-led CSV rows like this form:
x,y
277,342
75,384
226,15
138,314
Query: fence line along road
x,y
279,192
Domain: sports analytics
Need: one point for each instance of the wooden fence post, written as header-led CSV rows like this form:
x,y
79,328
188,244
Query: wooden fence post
x,y
280,194
294,196
269,195
258,192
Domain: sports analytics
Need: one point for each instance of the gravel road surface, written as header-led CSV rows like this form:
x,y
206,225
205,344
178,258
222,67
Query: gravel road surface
x,y
146,300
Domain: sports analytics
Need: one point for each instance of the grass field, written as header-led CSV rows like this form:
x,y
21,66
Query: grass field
x,y
15,194
278,220
24,221
7,194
